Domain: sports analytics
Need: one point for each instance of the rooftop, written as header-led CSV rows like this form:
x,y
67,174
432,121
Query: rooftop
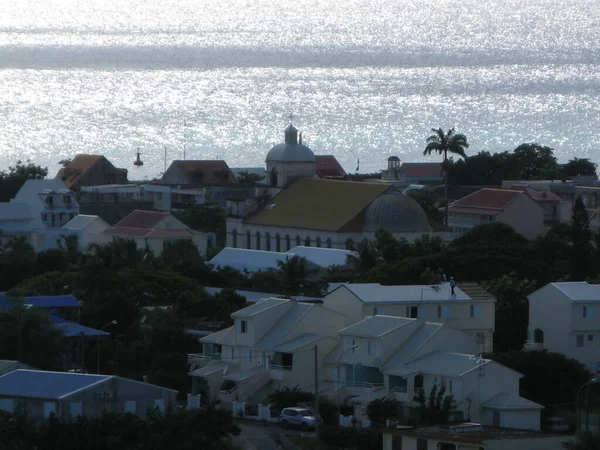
x,y
375,326
142,219
204,172
487,199
328,166
81,221
376,293
253,296
579,291
422,170
448,364
260,306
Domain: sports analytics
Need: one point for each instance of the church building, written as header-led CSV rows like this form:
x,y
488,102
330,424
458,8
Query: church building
x,y
308,211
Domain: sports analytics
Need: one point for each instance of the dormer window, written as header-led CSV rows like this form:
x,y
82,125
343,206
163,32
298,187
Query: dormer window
x,y
50,201
243,326
67,199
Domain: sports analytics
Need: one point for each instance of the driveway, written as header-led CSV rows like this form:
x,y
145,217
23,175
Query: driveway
x,y
265,436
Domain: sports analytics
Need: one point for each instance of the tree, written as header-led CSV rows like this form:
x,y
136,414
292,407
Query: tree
x,y
11,182
512,310
249,178
382,409
442,144
366,257
428,201
549,378
17,262
438,408
536,162
581,256
293,273
579,166
206,217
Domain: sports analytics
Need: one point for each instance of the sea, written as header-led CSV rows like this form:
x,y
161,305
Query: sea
x,y
362,79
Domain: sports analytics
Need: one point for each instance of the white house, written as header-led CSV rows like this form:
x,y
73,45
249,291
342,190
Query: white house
x,y
395,357
473,315
270,346
88,229
468,436
259,260
564,318
16,221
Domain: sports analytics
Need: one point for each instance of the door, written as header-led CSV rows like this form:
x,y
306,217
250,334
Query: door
x,y
496,419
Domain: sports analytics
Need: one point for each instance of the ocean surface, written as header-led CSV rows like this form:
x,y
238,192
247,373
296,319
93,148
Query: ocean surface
x,y
363,79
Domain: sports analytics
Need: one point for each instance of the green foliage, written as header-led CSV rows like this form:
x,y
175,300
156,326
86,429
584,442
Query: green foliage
x,y
381,409
438,408
428,201
177,429
328,412
549,378
536,161
579,166
227,385
512,310
367,257
286,397
11,181
206,217
17,263
581,256
249,178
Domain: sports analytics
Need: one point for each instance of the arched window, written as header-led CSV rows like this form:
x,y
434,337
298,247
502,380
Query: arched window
x,y
277,242
307,241
318,242
258,240
538,336
288,243
234,238
274,177
298,240
268,242
328,242
248,240
349,244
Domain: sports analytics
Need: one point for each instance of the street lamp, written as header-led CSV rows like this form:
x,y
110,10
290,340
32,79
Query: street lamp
x,y
338,376
586,384
112,322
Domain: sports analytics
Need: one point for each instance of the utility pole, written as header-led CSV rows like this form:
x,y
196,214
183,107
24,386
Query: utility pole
x,y
317,417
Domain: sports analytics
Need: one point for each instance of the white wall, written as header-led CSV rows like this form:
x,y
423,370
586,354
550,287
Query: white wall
x,y
550,311
525,215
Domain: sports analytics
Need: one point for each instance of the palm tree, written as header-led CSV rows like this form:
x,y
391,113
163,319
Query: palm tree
x,y
442,144
293,273
365,257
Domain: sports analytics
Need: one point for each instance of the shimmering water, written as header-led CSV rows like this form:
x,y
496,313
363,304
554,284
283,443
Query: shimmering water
x,y
364,79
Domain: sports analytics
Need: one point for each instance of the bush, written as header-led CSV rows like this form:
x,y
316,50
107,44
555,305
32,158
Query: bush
x,y
283,398
227,385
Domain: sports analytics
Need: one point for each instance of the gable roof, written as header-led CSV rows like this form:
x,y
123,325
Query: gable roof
x,y
579,291
505,401
284,324
82,221
15,211
203,172
46,385
411,346
142,223
322,257
78,167
7,366
224,337
538,195
375,326
142,219
261,306
326,205
327,166
422,170
31,189
376,293
448,364
491,200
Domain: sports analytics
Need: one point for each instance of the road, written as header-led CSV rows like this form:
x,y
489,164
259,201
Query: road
x,y
264,436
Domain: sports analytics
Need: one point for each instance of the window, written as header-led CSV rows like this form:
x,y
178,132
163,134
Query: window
x,y
307,241
378,310
62,216
318,242
421,444
580,340
130,406
412,312
49,408
349,244
475,310
277,242
443,312
257,240
159,404
248,240
298,240
268,242
75,409
243,326
44,217
71,215
249,355
288,244
234,238
584,311
590,338
328,243
353,345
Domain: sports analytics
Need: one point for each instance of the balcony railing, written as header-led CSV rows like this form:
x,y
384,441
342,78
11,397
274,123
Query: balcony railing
x,y
279,367
205,356
400,389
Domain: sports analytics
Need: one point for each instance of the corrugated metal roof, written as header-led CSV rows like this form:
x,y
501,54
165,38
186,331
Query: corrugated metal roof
x,y
411,346
322,257
299,342
448,364
376,293
253,297
312,204
224,337
284,325
142,219
81,221
261,306
52,301
579,291
376,326
506,401
72,329
45,385
487,198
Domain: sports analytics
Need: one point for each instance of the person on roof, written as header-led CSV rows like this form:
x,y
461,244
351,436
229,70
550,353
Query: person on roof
x,y
452,286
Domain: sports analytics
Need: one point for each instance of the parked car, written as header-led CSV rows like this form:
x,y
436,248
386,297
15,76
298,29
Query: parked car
x,y
555,424
297,417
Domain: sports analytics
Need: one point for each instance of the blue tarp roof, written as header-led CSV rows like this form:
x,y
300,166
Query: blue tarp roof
x,y
46,385
72,329
46,301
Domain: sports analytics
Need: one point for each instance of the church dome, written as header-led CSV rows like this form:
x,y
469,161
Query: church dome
x,y
396,213
291,150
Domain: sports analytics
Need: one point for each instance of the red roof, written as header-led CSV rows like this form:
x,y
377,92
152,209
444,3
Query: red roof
x,y
141,219
205,172
537,195
487,198
419,170
328,167
143,232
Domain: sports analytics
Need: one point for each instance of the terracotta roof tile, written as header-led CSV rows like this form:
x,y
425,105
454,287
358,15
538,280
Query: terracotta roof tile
x,y
538,195
492,199
328,166
204,172
318,204
141,219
